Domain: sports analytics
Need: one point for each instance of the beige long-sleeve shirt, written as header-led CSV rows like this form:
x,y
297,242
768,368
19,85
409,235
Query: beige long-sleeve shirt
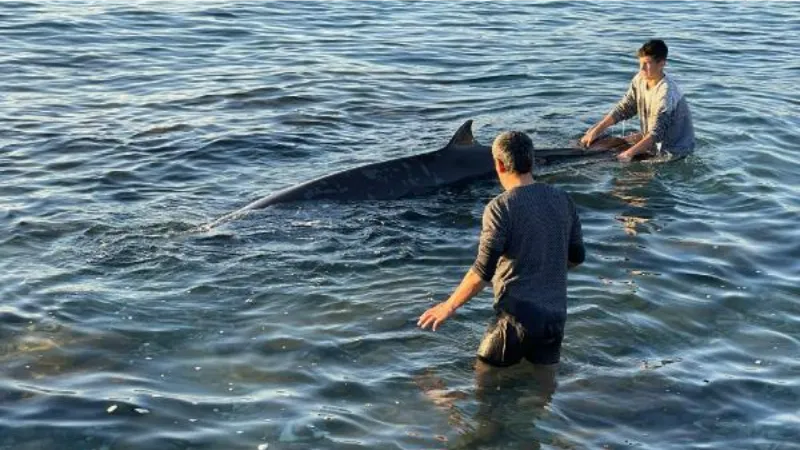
x,y
663,112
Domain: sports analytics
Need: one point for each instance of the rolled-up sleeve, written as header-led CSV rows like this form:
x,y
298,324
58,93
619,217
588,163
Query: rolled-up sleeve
x,y
626,107
576,252
494,236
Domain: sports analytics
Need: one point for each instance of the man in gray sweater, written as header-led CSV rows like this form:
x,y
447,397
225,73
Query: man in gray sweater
x,y
665,123
531,234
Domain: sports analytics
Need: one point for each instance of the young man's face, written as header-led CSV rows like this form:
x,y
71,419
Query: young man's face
x,y
651,68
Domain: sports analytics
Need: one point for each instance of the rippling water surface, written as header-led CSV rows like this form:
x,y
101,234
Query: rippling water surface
x,y
125,126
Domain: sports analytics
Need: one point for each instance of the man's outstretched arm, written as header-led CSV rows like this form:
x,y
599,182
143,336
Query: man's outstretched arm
x,y
470,286
490,248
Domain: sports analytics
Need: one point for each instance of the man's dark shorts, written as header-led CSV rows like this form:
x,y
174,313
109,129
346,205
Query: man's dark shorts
x,y
506,342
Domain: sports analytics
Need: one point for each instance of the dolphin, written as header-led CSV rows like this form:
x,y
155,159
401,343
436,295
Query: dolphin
x,y
462,159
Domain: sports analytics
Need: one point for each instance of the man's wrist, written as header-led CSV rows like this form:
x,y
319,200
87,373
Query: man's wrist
x,y
450,305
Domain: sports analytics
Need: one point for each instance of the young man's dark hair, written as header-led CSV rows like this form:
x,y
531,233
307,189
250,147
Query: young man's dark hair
x,y
654,48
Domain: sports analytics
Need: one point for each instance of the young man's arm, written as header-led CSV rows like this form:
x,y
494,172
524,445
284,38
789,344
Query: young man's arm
x,y
597,130
623,110
645,145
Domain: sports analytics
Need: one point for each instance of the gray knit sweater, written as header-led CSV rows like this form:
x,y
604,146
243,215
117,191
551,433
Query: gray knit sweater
x,y
528,235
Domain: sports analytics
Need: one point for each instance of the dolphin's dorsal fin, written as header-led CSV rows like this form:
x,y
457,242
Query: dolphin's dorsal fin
x,y
463,135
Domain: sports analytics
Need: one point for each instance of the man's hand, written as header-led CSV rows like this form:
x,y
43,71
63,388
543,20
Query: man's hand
x,y
435,316
469,287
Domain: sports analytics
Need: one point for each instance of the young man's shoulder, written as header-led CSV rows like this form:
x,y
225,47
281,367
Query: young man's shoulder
x,y
668,83
670,91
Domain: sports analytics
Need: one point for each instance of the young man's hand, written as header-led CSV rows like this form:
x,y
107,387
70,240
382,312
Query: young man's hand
x,y
588,138
592,133
633,138
435,316
626,156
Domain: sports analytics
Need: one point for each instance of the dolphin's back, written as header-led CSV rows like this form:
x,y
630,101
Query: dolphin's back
x,y
461,159
385,180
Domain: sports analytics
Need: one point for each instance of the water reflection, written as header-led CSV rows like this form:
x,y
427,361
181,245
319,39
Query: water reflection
x,y
632,186
507,403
